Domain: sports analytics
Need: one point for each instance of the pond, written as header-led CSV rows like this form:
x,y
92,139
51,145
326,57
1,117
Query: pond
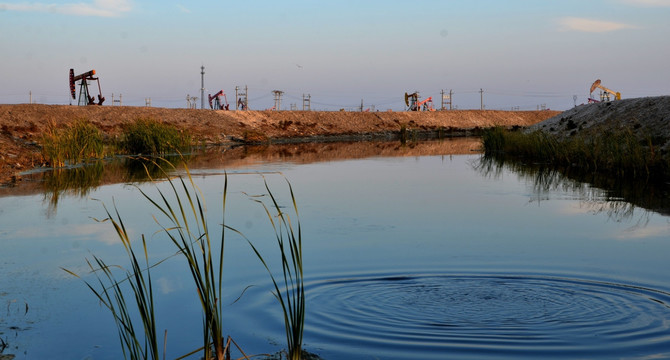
x,y
410,252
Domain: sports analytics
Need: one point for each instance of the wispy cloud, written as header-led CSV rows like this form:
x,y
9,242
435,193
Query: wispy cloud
x,y
648,3
636,233
101,8
591,25
84,232
183,9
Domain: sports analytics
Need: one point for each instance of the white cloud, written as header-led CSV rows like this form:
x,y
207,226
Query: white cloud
x,y
591,25
648,3
102,8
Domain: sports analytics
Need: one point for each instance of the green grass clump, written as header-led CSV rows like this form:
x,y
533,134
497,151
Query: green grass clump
x,y
72,144
152,137
618,152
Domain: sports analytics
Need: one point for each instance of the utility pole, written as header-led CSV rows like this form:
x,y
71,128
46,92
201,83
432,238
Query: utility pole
x,y
446,99
241,102
31,96
202,87
442,104
117,101
481,97
361,105
306,102
278,94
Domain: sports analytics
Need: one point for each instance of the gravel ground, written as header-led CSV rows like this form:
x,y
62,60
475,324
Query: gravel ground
x,y
646,117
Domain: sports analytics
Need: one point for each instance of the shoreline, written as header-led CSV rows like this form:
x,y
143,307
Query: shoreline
x,y
22,126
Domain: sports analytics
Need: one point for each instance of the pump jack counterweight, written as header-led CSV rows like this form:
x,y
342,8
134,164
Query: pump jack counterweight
x,y
84,95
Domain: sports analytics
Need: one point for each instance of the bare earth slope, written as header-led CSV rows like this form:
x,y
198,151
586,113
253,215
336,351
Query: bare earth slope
x,y
22,126
648,118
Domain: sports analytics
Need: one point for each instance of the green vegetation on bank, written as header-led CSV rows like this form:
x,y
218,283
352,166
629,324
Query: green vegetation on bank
x,y
617,152
73,144
152,137
82,141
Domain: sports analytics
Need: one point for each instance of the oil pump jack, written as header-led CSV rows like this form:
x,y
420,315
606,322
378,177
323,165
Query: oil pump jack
x,y
84,97
413,103
605,95
216,98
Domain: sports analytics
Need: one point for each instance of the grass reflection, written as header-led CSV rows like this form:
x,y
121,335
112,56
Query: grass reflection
x,y
618,198
78,181
81,180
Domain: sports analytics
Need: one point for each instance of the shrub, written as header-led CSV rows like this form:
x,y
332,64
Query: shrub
x,y
615,151
152,137
72,144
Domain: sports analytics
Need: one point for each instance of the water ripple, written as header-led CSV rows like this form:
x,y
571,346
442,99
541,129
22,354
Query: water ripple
x,y
496,316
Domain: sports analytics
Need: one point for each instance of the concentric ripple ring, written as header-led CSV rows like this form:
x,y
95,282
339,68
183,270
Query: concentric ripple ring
x,y
499,315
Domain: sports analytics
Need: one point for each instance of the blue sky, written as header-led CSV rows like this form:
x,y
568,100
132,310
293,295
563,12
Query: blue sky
x,y
522,53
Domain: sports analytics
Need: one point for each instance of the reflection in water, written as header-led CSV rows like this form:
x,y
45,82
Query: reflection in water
x,y
460,267
77,181
601,194
81,180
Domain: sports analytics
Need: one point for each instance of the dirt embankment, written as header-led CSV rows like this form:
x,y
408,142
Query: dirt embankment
x,y
22,126
648,118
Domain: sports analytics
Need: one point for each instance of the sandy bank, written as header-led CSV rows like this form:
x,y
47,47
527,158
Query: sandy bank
x,y
22,126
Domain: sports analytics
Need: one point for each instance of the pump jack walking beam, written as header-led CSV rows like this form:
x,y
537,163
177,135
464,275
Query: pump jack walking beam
x,y
83,86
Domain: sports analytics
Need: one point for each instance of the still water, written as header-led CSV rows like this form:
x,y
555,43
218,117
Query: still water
x,y
422,252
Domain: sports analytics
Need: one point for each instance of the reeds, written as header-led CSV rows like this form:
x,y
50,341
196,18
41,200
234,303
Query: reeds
x,y
183,207
136,344
189,232
618,152
72,144
288,290
152,137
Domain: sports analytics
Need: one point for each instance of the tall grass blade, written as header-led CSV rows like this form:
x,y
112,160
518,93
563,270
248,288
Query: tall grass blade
x,y
188,230
135,344
289,290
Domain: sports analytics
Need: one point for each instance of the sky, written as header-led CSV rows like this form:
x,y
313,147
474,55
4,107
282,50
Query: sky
x,y
515,54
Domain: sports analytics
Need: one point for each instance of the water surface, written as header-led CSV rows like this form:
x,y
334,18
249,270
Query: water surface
x,y
411,256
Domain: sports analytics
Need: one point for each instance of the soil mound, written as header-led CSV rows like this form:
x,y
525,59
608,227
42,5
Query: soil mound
x,y
648,118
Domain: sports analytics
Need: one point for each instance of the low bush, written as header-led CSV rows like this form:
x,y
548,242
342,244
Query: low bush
x,y
618,152
72,144
152,137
